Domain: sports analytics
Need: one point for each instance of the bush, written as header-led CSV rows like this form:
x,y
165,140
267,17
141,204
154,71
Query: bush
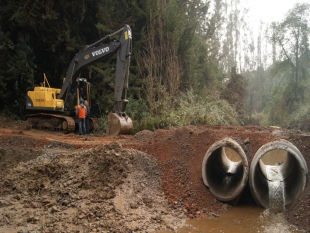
x,y
10,115
300,118
101,125
258,119
186,110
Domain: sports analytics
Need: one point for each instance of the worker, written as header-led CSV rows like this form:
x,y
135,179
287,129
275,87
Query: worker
x,y
87,116
81,115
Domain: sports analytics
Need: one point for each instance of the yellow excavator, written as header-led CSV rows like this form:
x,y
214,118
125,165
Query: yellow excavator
x,y
54,108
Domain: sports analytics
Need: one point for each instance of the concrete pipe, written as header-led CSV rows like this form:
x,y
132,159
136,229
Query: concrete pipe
x,y
225,170
277,175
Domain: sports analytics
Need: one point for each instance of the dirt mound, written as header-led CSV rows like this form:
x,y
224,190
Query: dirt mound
x,y
16,148
299,213
107,188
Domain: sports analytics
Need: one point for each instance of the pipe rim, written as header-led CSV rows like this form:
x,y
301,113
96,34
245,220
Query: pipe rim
x,y
279,144
227,142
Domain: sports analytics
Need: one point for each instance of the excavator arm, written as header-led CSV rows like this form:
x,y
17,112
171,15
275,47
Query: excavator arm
x,y
122,73
118,122
84,59
92,53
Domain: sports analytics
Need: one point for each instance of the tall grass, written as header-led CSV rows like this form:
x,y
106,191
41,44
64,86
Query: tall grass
x,y
185,110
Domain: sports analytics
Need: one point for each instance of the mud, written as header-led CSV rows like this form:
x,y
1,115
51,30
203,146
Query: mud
x,y
53,182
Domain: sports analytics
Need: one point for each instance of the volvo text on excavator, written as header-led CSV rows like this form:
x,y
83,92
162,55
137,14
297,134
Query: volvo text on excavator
x,y
54,108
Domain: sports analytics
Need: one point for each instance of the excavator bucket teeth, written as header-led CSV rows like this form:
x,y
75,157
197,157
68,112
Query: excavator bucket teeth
x,y
118,125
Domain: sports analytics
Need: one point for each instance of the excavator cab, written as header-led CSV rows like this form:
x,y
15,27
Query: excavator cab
x,y
79,91
82,90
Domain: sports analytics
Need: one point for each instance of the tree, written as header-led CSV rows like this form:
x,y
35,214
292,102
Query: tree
x,y
235,36
292,35
236,93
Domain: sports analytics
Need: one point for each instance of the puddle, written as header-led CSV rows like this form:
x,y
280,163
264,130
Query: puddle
x,y
241,219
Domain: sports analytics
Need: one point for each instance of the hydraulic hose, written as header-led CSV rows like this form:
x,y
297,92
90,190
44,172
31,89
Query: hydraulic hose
x,y
225,170
277,174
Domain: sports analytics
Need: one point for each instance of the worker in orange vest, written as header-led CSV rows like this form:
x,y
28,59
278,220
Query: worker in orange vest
x,y
81,115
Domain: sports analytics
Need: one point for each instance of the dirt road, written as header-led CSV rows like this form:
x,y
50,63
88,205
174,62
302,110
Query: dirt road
x,y
54,182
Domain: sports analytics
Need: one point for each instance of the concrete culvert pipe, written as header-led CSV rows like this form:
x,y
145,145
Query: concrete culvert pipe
x,y
277,175
225,170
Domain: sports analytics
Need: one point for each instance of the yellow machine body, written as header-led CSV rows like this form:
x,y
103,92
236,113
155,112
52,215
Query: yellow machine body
x,y
44,98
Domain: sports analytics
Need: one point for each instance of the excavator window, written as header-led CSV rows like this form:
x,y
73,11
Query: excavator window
x,y
82,88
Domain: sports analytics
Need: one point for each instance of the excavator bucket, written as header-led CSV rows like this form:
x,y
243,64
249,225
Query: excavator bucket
x,y
118,125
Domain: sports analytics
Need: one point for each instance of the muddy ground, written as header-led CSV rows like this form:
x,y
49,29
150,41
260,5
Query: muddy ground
x,y
54,182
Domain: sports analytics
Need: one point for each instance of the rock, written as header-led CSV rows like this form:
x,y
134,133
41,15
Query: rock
x,y
246,141
54,209
214,215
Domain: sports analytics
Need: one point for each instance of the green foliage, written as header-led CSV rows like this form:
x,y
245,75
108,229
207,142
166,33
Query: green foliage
x,y
282,90
101,126
137,109
195,109
175,60
282,102
102,78
286,110
19,75
188,109
292,36
300,119
258,118
236,93
8,114
56,32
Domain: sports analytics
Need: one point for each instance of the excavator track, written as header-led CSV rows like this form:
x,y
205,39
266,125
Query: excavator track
x,y
93,124
51,122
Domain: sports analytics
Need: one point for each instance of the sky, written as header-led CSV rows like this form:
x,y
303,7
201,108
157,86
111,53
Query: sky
x,y
270,10
267,11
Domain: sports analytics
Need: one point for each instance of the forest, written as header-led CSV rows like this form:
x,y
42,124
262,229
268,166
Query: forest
x,y
193,61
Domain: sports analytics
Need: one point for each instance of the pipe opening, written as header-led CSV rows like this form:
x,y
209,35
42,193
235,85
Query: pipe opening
x,y
277,175
276,165
225,170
